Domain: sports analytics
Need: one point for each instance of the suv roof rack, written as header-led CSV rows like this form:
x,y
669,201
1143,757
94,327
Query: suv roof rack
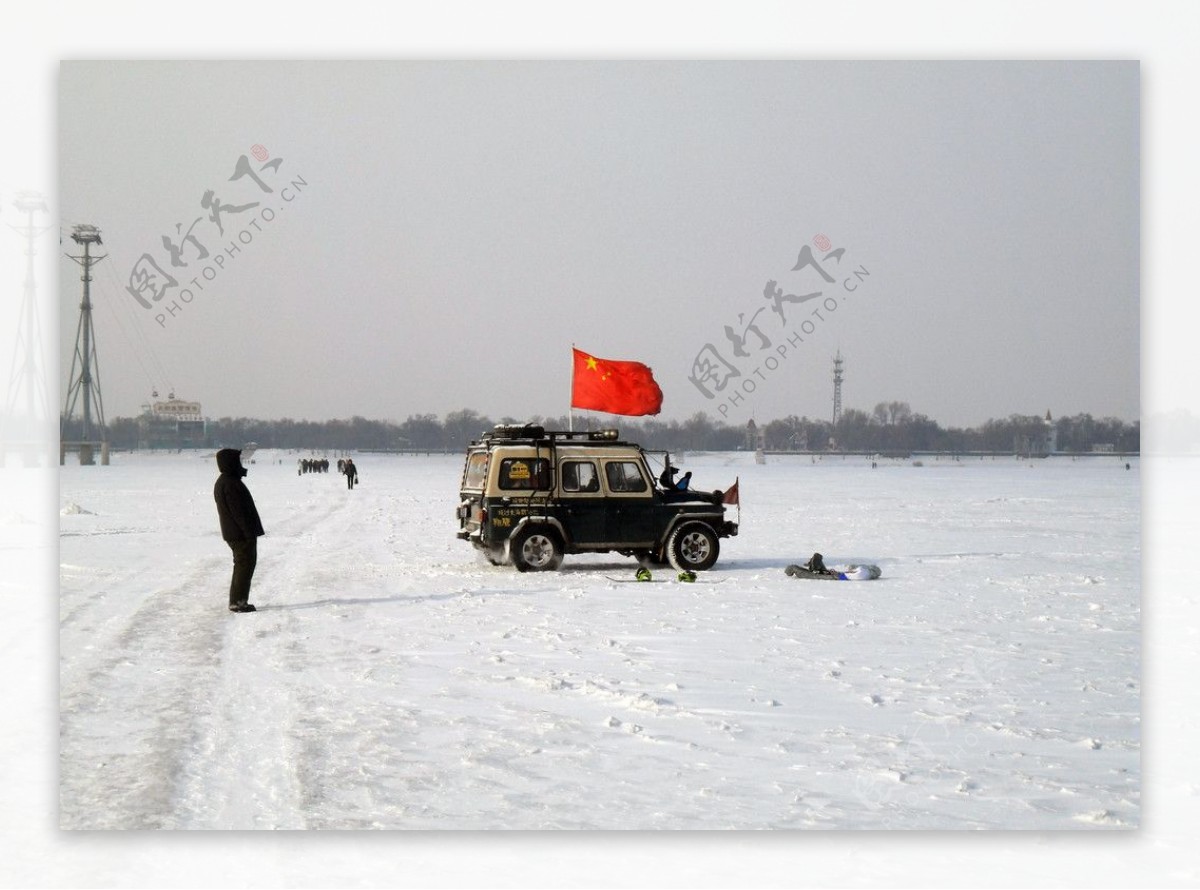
x,y
535,432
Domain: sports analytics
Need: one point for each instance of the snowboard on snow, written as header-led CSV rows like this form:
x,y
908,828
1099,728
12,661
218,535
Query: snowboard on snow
x,y
663,580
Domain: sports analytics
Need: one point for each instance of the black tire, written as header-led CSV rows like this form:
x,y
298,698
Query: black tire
x,y
693,547
536,549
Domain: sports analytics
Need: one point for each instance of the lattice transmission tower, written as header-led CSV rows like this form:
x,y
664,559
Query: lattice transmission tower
x,y
837,387
85,382
24,421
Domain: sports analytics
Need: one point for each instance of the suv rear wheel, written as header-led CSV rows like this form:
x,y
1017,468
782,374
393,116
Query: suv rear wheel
x,y
693,547
536,549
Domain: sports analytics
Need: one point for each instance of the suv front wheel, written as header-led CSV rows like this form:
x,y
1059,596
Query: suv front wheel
x,y
536,549
693,547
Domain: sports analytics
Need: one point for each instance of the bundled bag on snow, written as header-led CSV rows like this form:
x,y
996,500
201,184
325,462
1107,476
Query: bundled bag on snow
x,y
816,569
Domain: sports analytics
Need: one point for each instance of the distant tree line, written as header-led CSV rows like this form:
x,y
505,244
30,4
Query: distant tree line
x,y
891,428
894,428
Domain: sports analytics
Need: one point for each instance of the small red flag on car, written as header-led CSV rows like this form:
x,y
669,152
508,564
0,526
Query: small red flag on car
x,y
732,496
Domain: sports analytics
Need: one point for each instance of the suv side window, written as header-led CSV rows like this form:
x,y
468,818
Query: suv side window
x,y
624,476
580,476
524,474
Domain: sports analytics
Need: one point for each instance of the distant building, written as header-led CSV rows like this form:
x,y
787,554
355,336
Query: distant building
x,y
1041,442
172,424
176,409
1049,435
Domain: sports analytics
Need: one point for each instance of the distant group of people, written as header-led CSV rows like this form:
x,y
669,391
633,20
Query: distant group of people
x,y
345,466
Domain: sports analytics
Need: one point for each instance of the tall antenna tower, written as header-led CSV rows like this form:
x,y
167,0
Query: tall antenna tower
x,y
27,406
837,387
85,383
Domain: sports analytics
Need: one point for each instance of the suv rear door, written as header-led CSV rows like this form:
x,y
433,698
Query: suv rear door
x,y
470,509
583,504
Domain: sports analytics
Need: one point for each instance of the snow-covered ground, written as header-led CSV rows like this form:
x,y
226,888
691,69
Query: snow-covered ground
x,y
392,679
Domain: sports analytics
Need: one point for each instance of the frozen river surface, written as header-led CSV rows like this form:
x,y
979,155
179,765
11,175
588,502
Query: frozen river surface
x,y
393,680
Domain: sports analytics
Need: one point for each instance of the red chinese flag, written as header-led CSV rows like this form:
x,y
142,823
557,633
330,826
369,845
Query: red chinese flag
x,y
615,387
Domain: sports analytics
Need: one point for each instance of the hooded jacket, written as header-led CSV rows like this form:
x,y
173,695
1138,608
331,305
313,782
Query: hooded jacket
x,y
235,505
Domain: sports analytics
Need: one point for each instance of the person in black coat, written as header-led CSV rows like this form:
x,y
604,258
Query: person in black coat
x,y
351,473
240,525
667,479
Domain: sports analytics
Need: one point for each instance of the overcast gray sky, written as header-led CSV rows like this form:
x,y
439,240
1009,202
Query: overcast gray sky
x,y
437,235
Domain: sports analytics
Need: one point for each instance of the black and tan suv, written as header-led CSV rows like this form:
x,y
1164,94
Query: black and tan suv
x,y
529,496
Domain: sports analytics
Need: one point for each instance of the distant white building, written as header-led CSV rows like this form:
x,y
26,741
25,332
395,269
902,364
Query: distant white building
x,y
1050,439
1041,443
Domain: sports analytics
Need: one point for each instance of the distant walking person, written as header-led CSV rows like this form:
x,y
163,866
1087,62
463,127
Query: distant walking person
x,y
351,473
240,525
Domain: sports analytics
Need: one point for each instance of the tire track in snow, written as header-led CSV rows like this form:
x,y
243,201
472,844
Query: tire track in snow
x,y
154,666
249,772
173,661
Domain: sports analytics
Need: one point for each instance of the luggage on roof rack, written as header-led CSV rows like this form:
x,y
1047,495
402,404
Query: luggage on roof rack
x,y
533,431
517,431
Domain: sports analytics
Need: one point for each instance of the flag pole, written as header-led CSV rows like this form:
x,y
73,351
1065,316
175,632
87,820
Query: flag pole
x,y
570,406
